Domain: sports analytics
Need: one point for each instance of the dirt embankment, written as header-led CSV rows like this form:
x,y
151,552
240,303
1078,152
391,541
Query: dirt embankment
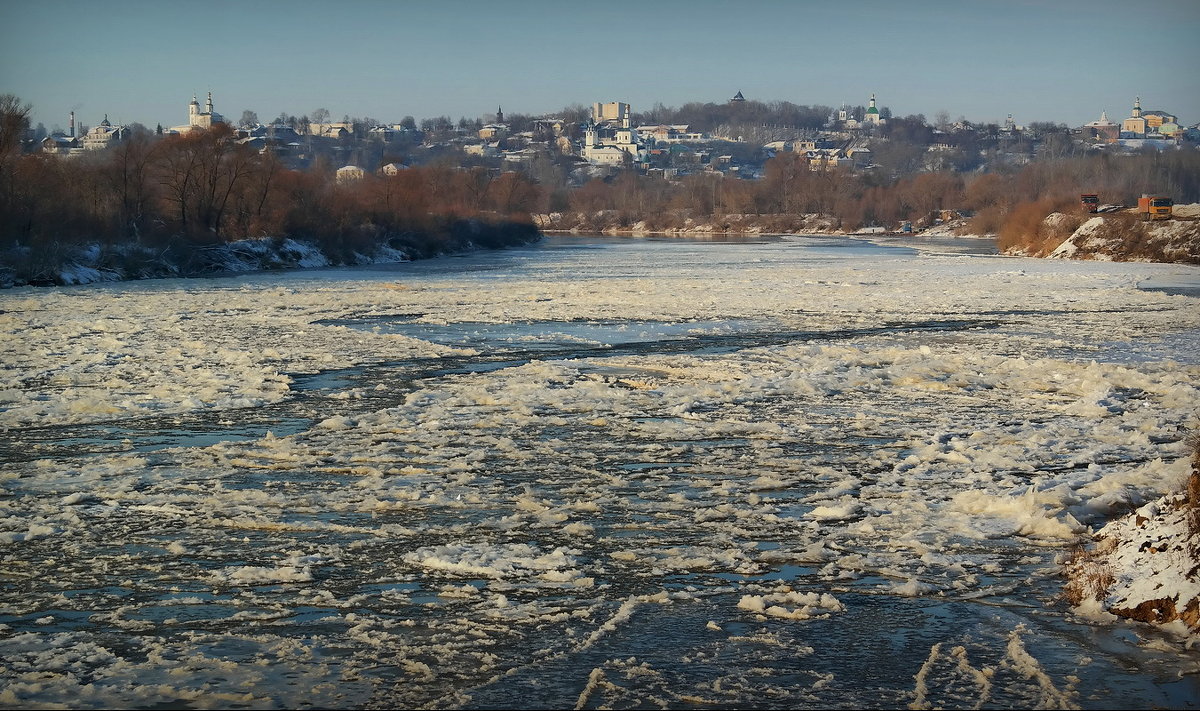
x,y
1120,236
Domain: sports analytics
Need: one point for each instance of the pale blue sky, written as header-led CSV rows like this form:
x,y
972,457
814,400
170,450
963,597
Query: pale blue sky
x,y
1041,60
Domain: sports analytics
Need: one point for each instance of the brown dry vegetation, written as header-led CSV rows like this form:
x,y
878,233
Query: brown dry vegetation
x,y
1025,227
1089,576
1011,204
188,192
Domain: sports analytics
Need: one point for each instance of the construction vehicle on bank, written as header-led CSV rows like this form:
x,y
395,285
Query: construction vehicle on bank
x,y
1154,207
1090,202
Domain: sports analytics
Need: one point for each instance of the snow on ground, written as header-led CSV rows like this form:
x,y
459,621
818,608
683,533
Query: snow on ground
x,y
1188,211
949,228
1153,564
1146,565
1121,238
892,442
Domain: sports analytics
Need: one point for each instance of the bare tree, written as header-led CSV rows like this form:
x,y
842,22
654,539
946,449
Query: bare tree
x,y
129,177
14,121
512,192
786,175
200,172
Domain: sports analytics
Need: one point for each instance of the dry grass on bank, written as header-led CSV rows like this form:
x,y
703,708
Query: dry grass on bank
x,y
1037,228
1089,575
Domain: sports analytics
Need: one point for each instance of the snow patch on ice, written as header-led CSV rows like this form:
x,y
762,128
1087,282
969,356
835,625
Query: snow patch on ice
x,y
501,561
792,605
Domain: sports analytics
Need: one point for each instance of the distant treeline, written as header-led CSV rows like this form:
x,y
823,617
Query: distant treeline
x,y
182,193
755,121
999,202
203,189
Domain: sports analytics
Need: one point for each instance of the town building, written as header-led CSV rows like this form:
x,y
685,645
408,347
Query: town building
x,y
526,157
104,135
555,132
350,173
860,156
497,130
669,133
550,126
1171,129
387,134
337,129
828,158
1150,124
612,142
281,139
60,144
1101,130
871,118
485,149
612,111
1155,119
493,131
1135,125
199,120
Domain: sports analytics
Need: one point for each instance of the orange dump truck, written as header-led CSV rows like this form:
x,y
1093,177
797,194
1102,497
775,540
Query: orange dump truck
x,y
1090,202
1154,207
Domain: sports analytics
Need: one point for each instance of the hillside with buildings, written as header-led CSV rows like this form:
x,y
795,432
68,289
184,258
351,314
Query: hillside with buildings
x,y
733,139
359,185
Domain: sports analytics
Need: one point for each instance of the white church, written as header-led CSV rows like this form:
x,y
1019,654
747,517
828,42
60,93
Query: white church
x,y
871,117
612,142
197,119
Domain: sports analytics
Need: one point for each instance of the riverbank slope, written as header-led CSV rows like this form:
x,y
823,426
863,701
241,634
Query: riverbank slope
x,y
1146,566
61,265
1118,236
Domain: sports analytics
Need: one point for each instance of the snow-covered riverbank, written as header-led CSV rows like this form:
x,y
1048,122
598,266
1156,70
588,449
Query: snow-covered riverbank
x,y
66,265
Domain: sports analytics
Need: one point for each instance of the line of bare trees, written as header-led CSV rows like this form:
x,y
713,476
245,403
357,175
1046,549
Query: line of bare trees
x,y
791,187
204,188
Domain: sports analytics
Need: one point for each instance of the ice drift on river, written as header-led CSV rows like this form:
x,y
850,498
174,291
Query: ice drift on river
x,y
823,476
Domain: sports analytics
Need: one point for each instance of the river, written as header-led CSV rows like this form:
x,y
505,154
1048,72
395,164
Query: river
x,y
789,472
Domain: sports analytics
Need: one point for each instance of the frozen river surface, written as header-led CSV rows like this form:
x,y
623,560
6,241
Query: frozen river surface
x,y
793,473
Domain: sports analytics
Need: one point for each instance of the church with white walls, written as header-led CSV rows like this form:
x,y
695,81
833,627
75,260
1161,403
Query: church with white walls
x,y
612,142
197,119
